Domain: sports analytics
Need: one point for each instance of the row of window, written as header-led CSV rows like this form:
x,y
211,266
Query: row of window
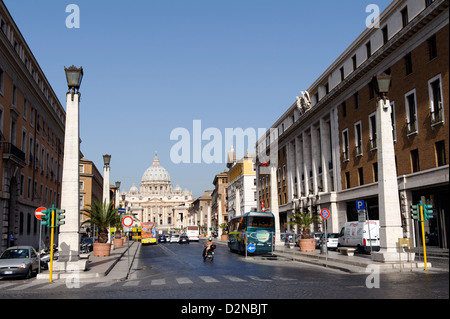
x,y
440,157
436,115
325,88
30,67
42,193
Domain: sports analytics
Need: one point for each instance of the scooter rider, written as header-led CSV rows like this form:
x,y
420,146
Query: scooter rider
x,y
207,246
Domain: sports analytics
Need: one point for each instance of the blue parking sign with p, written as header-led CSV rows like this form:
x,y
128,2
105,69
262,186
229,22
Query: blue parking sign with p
x,y
360,205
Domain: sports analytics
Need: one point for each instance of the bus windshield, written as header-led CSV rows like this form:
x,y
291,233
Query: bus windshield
x,y
260,222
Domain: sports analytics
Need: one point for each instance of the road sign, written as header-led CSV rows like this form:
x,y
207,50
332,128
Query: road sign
x,y
251,248
360,205
38,212
325,213
121,210
127,221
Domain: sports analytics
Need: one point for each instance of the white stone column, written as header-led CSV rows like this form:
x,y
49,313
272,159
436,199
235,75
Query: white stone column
x,y
106,184
274,203
208,221
69,238
219,213
388,199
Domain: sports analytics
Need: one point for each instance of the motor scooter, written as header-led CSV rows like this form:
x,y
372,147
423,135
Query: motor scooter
x,y
210,254
44,257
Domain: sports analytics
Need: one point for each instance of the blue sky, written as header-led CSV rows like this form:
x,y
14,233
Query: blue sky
x,y
153,66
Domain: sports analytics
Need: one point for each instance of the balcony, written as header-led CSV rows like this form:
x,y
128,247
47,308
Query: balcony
x,y
437,116
12,153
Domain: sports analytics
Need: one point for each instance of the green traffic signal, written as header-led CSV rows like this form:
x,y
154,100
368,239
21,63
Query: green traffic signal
x,y
427,212
60,217
415,212
46,219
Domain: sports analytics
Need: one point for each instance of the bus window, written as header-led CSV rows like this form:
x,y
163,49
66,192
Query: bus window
x,y
261,222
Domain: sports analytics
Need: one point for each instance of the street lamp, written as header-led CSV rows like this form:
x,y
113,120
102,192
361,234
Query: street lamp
x,y
106,169
388,200
106,160
69,238
383,84
74,76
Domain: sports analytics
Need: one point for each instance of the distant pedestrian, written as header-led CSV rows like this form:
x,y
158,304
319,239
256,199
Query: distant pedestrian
x,y
47,243
11,239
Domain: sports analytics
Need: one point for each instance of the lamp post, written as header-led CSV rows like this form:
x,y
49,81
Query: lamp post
x,y
106,168
69,245
116,195
388,199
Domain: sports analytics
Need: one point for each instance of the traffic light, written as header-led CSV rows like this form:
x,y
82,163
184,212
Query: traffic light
x,y
427,212
60,217
46,219
415,213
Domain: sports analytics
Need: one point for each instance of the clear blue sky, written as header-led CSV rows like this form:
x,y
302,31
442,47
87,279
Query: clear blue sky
x,y
152,66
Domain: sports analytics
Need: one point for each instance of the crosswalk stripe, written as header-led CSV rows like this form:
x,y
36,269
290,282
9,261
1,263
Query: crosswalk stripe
x,y
235,279
157,282
208,279
105,284
51,285
258,279
131,283
26,286
184,280
134,282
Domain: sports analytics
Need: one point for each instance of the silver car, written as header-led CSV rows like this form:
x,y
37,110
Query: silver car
x,y
18,261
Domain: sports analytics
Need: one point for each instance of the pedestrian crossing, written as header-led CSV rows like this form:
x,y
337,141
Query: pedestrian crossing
x,y
136,282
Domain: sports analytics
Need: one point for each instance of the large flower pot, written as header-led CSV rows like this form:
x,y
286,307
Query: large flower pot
x,y
307,244
224,237
118,242
102,250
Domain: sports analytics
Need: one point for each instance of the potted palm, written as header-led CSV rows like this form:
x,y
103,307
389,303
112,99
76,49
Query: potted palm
x,y
102,215
305,220
224,235
118,240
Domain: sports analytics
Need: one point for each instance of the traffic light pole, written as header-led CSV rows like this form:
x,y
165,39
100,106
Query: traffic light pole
x,y
422,220
52,235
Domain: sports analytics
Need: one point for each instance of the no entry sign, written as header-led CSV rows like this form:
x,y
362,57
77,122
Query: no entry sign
x,y
127,221
38,212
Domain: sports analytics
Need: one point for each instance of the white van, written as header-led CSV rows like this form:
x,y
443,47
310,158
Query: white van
x,y
356,234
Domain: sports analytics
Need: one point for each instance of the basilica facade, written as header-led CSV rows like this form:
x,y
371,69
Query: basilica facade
x,y
157,201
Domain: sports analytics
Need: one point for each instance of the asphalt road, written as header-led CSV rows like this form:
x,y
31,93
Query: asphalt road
x,y
178,272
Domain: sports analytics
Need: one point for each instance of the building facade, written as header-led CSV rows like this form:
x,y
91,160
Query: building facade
x,y
156,201
32,124
219,204
91,188
241,188
200,213
326,140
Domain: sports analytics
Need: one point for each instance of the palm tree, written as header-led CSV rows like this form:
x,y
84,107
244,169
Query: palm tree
x,y
103,216
304,220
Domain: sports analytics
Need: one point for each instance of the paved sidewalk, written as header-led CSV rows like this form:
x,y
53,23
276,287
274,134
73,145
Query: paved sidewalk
x,y
359,263
109,268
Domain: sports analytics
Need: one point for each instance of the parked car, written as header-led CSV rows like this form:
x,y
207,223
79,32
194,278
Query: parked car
x,y
184,239
18,261
162,239
175,238
332,240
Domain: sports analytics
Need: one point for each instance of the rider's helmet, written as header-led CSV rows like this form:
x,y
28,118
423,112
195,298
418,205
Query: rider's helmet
x,y
210,239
